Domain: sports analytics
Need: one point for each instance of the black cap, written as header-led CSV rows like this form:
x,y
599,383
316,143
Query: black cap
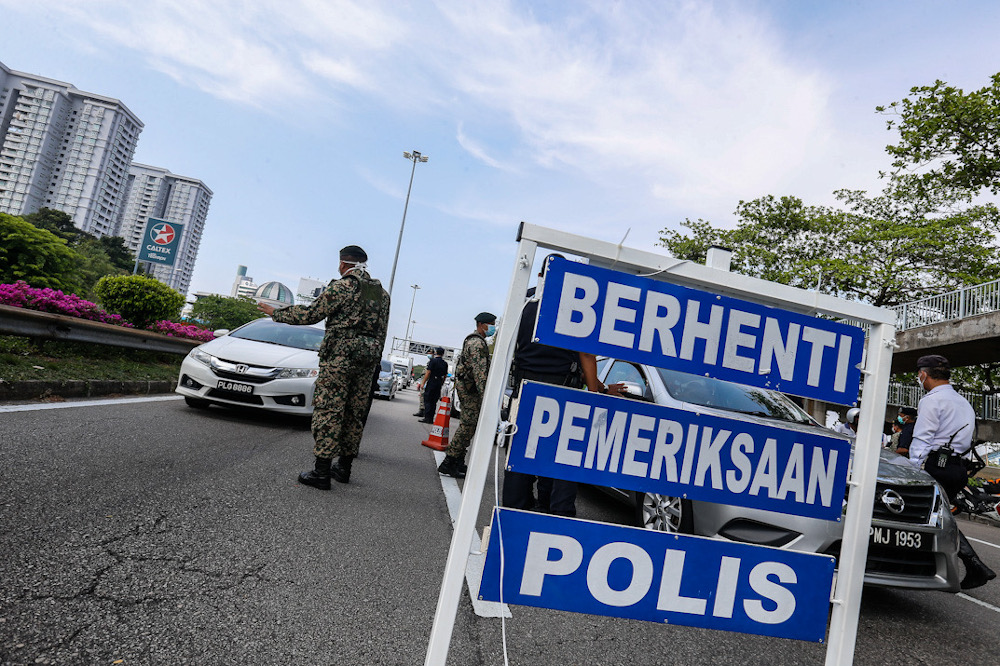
x,y
486,318
908,411
354,252
439,351
933,361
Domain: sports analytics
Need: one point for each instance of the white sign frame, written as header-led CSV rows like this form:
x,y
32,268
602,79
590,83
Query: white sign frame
x,y
717,278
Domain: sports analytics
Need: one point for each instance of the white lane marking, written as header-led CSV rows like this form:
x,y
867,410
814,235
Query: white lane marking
x,y
985,543
83,403
477,560
977,601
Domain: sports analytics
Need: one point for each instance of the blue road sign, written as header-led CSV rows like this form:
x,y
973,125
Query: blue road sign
x,y
161,242
608,441
610,313
585,567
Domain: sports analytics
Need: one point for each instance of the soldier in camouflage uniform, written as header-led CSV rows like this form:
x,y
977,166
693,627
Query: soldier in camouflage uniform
x,y
356,309
470,379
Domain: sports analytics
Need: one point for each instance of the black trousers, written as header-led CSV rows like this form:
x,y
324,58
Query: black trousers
x,y
432,393
555,496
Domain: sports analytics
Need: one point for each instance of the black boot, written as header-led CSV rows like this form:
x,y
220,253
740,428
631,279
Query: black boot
x,y
452,467
976,572
319,476
341,472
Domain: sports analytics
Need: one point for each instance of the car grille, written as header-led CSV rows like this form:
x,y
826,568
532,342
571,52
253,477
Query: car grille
x,y
918,503
895,561
237,377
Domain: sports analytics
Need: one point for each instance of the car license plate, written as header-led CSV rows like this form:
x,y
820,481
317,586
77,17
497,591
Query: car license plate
x,y
235,387
896,538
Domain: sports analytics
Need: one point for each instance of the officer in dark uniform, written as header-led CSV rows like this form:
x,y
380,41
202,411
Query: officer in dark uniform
x,y
550,365
433,379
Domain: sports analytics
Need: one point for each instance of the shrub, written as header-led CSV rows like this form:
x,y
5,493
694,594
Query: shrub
x,y
175,330
224,312
138,298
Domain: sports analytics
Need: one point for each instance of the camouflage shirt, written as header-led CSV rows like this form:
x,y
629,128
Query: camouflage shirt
x,y
356,309
473,364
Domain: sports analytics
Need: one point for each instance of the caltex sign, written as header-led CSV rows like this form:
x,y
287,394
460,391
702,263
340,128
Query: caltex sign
x,y
160,242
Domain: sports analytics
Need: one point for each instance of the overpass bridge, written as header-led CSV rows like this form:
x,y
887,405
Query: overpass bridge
x,y
961,325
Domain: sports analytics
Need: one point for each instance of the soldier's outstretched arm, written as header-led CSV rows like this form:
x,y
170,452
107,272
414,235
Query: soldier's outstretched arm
x,y
324,306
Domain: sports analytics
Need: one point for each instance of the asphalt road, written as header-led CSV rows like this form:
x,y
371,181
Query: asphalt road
x,y
151,533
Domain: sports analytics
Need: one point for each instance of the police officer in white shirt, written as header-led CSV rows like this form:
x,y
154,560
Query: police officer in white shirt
x,y
942,435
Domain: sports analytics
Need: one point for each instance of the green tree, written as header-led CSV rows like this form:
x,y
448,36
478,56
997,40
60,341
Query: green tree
x,y
216,312
118,253
56,221
139,299
884,250
949,140
92,265
37,256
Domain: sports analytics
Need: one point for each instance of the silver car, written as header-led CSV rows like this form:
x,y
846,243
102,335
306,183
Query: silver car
x,y
913,540
387,382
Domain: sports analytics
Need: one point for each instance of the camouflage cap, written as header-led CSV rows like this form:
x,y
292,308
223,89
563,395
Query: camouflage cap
x,y
486,318
354,251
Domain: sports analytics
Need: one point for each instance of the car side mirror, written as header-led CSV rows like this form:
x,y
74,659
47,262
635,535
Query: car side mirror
x,y
220,332
633,390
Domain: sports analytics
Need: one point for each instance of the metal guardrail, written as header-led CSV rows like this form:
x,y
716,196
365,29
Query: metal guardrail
x,y
21,321
987,406
958,304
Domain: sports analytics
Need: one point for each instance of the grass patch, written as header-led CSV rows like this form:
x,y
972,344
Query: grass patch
x,y
56,360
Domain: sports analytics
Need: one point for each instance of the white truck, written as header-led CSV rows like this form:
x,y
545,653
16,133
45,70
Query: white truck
x,y
405,365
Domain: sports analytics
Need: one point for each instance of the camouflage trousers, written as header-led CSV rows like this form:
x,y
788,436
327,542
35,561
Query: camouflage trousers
x,y
341,407
459,444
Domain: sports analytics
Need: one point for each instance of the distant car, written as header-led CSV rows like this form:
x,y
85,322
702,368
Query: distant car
x,y
262,364
387,384
914,538
397,375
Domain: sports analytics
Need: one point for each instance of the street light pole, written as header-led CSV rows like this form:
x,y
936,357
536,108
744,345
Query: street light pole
x,y
414,287
415,157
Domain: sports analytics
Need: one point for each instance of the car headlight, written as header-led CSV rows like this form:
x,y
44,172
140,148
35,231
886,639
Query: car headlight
x,y
201,356
297,373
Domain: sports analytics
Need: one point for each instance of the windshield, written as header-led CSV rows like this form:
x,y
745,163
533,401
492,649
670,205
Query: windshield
x,y
709,392
286,335
386,366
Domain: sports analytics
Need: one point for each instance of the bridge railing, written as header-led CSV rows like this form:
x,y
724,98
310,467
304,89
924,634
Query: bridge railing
x,y
964,302
987,406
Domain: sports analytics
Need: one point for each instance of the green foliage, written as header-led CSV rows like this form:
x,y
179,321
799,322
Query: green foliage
x,y
92,265
884,250
215,312
118,253
56,221
39,257
948,139
139,299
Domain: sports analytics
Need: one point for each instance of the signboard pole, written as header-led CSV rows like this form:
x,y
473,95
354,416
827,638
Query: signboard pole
x,y
481,449
846,601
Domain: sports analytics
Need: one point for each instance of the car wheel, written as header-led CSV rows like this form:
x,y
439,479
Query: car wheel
x,y
197,403
664,513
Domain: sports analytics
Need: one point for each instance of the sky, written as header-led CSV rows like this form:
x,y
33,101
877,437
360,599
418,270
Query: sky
x,y
601,118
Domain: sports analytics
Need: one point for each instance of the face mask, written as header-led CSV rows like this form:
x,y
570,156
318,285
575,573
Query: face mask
x,y
920,383
899,420
491,330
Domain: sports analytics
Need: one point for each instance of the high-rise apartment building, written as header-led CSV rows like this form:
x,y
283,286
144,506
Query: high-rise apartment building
x,y
154,192
63,148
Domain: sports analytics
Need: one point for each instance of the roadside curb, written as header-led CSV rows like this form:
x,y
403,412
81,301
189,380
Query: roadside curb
x,y
31,389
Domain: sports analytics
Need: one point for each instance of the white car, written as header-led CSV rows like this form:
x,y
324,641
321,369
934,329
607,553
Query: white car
x,y
261,364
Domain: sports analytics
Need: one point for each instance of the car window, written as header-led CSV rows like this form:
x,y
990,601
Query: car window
x,y
623,371
601,364
271,332
386,366
710,392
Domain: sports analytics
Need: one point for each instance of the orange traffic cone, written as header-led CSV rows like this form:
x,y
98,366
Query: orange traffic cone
x,y
438,439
